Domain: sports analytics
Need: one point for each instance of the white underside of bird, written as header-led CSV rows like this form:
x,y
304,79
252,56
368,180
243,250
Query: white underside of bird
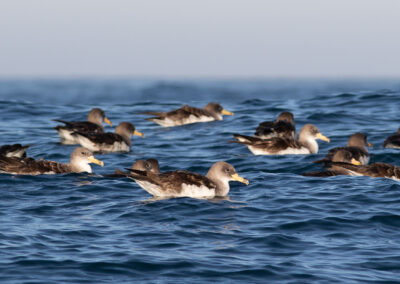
x,y
187,190
95,147
167,122
287,151
66,137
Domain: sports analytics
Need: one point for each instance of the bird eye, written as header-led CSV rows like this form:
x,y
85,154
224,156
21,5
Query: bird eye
x,y
83,153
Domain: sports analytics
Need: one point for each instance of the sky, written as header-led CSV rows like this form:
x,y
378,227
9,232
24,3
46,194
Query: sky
x,y
199,39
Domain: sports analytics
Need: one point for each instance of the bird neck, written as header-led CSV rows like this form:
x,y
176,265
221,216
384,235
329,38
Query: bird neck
x,y
215,115
80,166
126,137
309,142
222,184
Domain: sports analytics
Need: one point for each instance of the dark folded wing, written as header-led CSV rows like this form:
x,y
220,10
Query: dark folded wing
x,y
80,126
322,174
101,138
173,181
279,128
248,139
31,166
373,170
276,144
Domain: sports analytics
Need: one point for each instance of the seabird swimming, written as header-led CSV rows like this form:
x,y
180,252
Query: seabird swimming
x,y
340,156
283,126
188,184
119,141
140,165
306,143
93,125
393,141
373,170
356,146
187,114
15,150
79,163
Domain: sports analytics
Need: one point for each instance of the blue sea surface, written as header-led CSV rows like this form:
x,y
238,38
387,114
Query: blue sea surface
x,y
281,228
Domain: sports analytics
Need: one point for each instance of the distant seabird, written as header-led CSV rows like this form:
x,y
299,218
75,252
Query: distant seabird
x,y
140,165
306,143
393,141
188,184
356,146
15,150
187,114
119,141
283,126
79,163
340,156
94,125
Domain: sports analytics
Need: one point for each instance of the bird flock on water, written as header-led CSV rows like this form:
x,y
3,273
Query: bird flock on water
x,y
276,137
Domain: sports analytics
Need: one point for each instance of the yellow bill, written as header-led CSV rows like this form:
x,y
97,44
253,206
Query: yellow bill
x,y
106,120
322,137
225,112
369,145
138,133
355,162
95,161
240,179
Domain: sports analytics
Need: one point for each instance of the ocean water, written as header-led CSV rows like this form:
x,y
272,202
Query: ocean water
x,y
281,228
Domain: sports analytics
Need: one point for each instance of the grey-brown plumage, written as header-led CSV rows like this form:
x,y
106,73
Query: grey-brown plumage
x,y
283,126
393,141
15,150
188,184
79,162
140,165
306,143
94,124
373,170
119,141
341,156
187,114
356,146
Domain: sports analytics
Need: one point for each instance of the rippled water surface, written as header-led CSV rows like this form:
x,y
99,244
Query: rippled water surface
x,y
282,228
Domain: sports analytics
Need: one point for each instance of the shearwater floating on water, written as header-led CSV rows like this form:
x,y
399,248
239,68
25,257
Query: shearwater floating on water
x,y
187,114
187,184
356,146
94,124
305,144
119,141
79,163
340,156
382,170
283,126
